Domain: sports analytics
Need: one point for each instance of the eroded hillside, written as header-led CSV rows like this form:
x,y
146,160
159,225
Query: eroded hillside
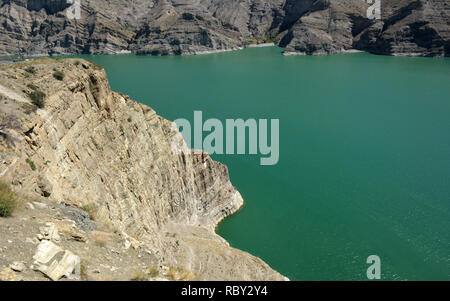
x,y
85,146
164,27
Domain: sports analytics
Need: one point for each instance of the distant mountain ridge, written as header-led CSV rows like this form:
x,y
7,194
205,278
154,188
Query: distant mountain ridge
x,y
167,27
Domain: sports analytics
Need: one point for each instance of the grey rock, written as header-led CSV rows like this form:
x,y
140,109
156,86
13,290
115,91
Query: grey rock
x,y
81,218
165,27
417,28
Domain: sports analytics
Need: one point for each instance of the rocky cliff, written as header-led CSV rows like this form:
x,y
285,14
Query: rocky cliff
x,y
163,27
89,147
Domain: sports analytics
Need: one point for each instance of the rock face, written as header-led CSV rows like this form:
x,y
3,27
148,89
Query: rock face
x,y
323,27
164,27
91,146
419,28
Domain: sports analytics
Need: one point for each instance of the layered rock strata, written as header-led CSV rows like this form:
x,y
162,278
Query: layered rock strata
x,y
167,27
90,146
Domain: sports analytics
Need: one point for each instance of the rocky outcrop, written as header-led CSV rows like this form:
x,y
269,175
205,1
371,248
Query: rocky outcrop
x,y
93,147
165,27
323,27
417,28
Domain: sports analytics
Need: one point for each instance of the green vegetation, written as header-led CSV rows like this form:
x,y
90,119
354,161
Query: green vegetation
x,y
96,66
59,75
8,200
28,63
28,108
37,98
31,163
258,40
179,274
31,69
139,276
33,87
154,272
83,270
90,209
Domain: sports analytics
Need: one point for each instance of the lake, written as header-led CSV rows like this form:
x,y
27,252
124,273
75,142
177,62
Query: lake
x,y
364,163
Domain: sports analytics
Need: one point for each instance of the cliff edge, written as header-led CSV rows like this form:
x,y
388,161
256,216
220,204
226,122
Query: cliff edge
x,y
69,143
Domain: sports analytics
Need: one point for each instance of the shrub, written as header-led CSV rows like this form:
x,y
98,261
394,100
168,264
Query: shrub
x,y
32,87
177,274
154,272
83,271
38,98
59,75
28,108
8,200
31,70
96,66
31,163
90,209
139,276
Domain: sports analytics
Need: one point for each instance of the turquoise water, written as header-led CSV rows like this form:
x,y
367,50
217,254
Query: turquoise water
x,y
364,154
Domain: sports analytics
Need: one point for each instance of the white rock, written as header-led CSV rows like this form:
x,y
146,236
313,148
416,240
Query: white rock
x,y
68,266
33,241
49,232
46,251
40,205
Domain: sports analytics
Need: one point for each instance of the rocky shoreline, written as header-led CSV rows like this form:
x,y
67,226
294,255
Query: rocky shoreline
x,y
174,27
86,148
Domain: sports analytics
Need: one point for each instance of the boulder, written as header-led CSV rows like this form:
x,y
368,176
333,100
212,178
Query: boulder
x,y
68,266
46,251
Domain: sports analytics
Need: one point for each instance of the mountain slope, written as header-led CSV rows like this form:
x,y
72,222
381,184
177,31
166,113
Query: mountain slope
x,y
164,27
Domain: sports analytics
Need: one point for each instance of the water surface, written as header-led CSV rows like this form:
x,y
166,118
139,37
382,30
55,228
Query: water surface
x,y
364,154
